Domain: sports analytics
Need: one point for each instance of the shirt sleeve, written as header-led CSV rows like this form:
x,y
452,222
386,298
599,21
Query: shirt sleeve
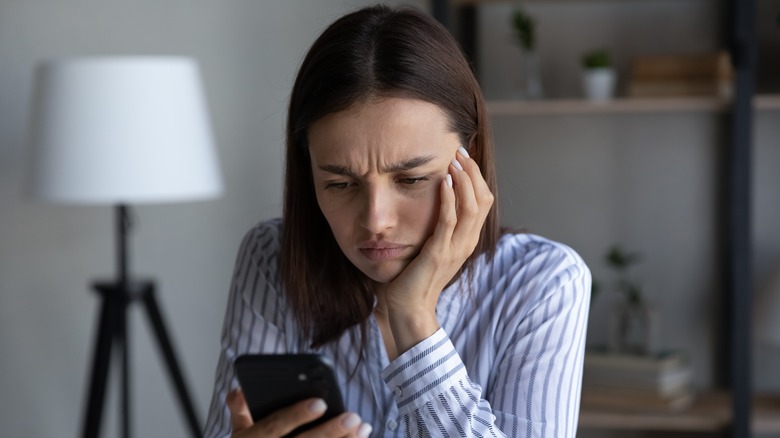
x,y
535,387
254,320
434,394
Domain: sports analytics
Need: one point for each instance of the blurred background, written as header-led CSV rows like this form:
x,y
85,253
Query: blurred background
x,y
646,180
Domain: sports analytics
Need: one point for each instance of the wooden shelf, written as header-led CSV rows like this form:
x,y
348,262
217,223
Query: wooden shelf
x,y
623,106
710,412
482,2
475,2
767,102
766,414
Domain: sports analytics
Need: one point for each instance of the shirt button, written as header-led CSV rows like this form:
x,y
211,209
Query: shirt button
x,y
392,425
398,391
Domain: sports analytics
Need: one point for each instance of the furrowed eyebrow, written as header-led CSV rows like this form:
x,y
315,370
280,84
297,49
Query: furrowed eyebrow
x,y
337,170
409,164
395,167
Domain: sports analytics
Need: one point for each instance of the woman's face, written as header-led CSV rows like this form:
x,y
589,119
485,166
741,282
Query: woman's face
x,y
378,169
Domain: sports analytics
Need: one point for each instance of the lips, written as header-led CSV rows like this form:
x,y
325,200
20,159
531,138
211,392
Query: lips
x,y
378,251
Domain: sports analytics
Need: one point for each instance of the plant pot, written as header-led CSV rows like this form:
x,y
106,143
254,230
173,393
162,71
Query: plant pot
x,y
599,83
633,328
531,76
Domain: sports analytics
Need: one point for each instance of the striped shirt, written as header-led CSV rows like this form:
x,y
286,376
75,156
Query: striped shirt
x,y
507,360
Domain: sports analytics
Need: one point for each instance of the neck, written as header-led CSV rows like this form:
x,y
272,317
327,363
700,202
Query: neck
x,y
381,299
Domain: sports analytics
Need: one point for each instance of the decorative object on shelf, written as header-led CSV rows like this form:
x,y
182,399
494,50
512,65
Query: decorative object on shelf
x,y
766,326
115,131
706,74
598,75
633,324
524,28
767,311
659,382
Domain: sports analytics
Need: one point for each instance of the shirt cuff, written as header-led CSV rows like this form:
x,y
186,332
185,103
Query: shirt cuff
x,y
423,372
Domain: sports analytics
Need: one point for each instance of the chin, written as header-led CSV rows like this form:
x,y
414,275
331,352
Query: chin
x,y
382,274
383,279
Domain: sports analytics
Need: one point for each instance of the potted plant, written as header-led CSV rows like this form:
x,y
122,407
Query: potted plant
x,y
633,324
598,75
524,27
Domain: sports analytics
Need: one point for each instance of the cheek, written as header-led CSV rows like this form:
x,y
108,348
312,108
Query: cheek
x,y
330,209
424,211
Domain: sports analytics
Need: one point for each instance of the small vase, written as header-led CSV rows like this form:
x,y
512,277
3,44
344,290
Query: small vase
x,y
599,84
633,328
531,76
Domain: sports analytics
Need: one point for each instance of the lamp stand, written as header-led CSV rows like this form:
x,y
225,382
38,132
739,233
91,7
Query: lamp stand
x,y
112,336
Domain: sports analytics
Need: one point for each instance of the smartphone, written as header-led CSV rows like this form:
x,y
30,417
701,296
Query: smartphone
x,y
274,381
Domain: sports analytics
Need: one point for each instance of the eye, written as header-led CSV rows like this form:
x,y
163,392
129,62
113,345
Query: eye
x,y
338,185
413,180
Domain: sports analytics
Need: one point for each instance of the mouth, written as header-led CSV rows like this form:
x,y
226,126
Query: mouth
x,y
381,251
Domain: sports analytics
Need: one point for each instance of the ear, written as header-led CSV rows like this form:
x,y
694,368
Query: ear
x,y
472,144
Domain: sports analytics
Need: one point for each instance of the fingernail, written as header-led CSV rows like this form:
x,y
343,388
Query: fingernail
x,y
365,430
350,421
462,151
456,164
318,406
449,180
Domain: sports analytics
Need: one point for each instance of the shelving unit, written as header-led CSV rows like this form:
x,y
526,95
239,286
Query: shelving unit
x,y
615,106
736,411
710,412
624,105
767,102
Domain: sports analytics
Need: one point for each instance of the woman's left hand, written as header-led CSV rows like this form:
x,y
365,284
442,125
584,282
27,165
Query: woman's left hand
x,y
412,296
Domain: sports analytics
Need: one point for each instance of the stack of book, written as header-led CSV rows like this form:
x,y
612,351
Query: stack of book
x,y
654,383
682,75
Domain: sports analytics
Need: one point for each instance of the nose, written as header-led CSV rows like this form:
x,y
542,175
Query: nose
x,y
378,210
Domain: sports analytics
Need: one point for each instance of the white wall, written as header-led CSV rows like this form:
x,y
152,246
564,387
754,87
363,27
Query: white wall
x,y
249,51
644,180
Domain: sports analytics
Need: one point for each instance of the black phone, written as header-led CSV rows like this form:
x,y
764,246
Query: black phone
x,y
274,381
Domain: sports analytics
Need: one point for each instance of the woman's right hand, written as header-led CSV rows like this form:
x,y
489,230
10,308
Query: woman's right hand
x,y
285,420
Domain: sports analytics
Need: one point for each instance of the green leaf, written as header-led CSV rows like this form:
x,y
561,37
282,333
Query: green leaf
x,y
619,259
524,27
599,58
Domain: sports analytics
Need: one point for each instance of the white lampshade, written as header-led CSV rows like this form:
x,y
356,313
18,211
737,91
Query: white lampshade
x,y
121,130
767,311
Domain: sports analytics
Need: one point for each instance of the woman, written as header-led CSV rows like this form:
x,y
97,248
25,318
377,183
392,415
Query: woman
x,y
389,259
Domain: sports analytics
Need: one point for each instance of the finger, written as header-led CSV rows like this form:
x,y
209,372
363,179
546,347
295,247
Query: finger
x,y
445,226
364,431
481,188
285,420
240,417
467,207
439,242
346,424
464,189
484,197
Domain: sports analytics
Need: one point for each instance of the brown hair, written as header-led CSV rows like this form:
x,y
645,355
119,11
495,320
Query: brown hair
x,y
373,52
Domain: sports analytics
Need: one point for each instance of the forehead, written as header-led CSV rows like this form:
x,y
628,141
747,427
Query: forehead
x,y
379,131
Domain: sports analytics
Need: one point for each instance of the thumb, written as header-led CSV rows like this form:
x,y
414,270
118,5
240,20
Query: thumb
x,y
240,417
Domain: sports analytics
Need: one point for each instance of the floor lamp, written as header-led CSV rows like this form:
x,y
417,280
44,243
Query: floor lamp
x,y
121,131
